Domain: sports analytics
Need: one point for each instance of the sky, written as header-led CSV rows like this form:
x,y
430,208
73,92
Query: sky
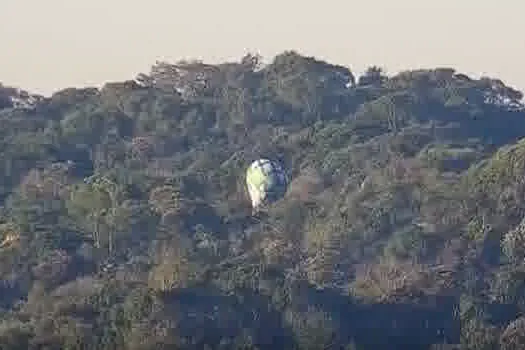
x,y
54,44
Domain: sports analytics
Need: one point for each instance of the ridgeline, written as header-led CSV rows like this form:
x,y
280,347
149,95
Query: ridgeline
x,y
126,224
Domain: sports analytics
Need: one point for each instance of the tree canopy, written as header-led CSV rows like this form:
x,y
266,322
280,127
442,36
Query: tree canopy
x,y
126,223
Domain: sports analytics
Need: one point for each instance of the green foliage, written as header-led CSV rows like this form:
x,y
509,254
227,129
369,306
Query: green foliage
x,y
125,221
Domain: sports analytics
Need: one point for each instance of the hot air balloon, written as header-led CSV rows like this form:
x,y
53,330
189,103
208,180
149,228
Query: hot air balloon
x,y
266,182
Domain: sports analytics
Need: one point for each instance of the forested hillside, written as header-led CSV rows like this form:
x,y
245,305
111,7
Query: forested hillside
x,y
126,224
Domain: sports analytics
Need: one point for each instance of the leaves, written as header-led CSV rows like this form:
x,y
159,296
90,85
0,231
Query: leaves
x,y
126,223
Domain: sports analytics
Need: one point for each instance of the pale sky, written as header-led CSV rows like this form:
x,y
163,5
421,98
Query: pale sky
x,y
53,44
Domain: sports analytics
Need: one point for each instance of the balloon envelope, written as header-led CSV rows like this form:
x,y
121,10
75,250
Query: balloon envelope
x,y
266,182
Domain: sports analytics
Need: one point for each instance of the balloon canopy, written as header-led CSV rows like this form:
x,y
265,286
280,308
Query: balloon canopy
x,y
266,181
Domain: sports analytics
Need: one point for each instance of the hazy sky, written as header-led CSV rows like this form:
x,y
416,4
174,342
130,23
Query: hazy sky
x,y
52,44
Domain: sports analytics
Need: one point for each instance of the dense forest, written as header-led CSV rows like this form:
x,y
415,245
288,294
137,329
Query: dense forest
x,y
125,222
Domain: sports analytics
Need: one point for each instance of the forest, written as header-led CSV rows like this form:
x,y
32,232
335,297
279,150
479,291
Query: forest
x,y
125,221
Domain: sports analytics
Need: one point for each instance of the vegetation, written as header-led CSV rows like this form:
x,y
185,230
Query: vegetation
x,y
126,222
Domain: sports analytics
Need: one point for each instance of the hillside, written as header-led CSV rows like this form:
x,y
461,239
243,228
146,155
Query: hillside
x,y
126,223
